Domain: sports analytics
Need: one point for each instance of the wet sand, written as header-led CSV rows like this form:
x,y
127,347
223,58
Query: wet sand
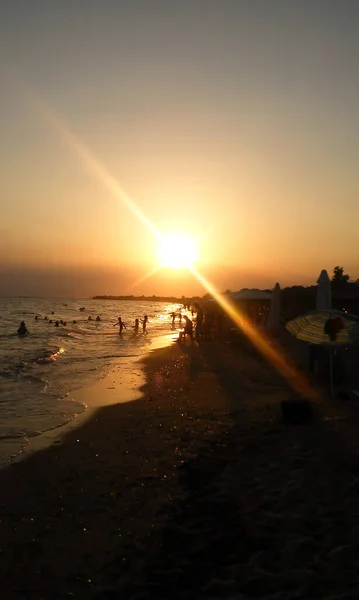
x,y
197,490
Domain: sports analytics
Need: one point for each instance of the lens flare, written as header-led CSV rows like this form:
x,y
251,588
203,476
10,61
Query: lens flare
x,y
175,250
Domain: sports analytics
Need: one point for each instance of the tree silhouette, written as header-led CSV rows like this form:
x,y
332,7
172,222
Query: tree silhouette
x,y
339,277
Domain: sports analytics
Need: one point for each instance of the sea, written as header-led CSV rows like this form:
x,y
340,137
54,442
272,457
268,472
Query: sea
x,y
39,371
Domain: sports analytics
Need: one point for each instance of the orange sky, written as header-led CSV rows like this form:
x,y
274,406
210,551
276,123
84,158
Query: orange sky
x,y
237,124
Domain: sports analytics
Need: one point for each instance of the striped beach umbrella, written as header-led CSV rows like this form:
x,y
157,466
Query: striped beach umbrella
x,y
326,327
331,328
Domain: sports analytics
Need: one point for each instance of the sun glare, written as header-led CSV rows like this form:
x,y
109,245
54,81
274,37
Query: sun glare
x,y
177,250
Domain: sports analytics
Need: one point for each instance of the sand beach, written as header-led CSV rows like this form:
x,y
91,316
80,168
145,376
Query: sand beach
x,y
196,490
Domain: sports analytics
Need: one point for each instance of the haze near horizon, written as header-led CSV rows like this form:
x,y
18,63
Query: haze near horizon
x,y
234,122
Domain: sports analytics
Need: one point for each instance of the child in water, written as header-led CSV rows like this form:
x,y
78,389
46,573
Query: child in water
x,y
121,325
22,329
136,325
144,322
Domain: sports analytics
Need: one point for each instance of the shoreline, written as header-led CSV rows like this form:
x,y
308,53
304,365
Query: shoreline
x,y
114,387
195,490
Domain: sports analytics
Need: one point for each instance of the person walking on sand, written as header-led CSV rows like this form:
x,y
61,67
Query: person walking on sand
x,y
144,322
121,325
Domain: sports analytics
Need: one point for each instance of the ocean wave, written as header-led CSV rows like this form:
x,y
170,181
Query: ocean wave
x,y
5,336
35,378
49,356
12,436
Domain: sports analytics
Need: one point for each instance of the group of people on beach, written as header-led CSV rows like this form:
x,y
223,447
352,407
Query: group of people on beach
x,y
121,325
202,326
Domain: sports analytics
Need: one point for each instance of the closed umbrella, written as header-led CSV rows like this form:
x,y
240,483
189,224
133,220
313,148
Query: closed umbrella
x,y
331,328
273,320
324,291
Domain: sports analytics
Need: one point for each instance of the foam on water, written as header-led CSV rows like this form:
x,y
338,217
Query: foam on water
x,y
38,371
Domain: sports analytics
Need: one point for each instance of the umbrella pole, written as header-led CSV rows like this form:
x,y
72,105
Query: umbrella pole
x,y
331,372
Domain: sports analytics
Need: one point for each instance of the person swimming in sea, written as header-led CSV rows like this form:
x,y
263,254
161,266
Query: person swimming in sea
x,y
98,318
90,318
120,324
22,329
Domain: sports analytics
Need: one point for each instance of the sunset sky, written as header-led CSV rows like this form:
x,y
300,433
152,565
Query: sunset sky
x,y
234,120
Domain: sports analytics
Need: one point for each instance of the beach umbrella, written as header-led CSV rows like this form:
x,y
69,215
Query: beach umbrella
x,y
324,291
275,307
330,328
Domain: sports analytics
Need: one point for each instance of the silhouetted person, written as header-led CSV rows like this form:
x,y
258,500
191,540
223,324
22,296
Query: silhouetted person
x,y
173,315
199,319
74,322
22,329
136,325
46,318
188,328
57,323
64,323
180,318
36,317
98,318
121,325
90,318
144,322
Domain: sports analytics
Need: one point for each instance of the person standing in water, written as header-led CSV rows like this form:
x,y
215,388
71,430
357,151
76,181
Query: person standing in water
x,y
22,329
144,322
136,325
121,325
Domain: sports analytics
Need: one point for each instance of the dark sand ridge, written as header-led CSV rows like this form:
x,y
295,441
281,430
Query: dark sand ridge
x,y
196,491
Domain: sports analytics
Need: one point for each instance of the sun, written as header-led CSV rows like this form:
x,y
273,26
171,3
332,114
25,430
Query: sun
x,y
177,250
